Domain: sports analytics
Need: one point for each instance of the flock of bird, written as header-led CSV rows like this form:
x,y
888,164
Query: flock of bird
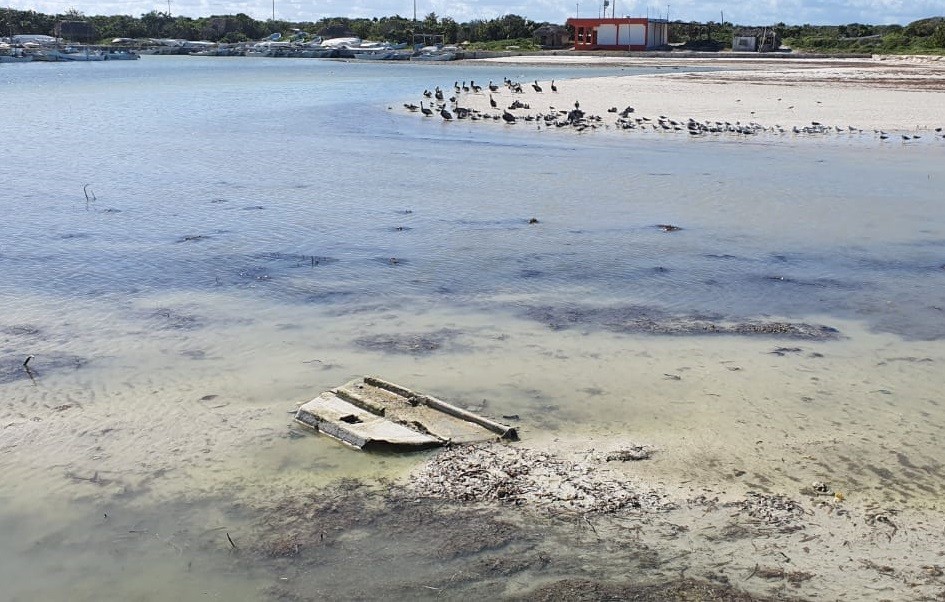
x,y
450,108
436,102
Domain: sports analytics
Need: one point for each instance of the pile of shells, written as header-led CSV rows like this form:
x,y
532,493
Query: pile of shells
x,y
521,477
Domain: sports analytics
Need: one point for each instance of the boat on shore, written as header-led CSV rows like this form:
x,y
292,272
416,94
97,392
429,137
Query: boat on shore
x,y
383,55
434,56
435,53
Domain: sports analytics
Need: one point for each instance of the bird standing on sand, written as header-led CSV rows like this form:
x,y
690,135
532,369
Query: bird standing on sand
x,y
508,117
492,102
427,111
536,86
446,115
554,88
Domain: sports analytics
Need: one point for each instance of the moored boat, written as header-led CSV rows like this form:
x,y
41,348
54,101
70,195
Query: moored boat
x,y
11,54
121,55
80,54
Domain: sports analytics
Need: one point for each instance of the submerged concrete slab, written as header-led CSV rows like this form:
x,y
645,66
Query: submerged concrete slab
x,y
370,413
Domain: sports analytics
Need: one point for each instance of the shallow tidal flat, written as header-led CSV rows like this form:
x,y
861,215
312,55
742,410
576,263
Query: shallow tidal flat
x,y
725,366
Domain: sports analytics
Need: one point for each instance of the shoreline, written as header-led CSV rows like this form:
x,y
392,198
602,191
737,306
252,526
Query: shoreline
x,y
867,97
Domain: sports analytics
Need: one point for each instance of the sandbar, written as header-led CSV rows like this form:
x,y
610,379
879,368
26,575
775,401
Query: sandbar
x,y
873,95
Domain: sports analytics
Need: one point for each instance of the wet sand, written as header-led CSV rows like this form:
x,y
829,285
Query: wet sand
x,y
805,469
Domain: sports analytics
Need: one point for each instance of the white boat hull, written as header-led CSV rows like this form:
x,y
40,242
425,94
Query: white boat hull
x,y
434,56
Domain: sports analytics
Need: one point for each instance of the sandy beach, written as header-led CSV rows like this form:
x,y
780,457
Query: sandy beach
x,y
818,96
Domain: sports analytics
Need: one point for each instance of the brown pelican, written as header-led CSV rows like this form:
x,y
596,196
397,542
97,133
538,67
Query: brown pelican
x,y
536,86
554,88
427,111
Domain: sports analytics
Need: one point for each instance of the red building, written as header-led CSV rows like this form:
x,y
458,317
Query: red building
x,y
619,34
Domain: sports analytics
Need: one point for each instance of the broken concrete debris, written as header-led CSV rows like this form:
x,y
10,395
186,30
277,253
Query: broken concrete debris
x,y
373,414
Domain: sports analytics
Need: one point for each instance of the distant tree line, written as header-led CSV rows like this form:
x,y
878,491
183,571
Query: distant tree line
x,y
241,27
923,36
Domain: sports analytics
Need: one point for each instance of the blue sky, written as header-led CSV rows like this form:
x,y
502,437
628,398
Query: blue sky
x,y
754,12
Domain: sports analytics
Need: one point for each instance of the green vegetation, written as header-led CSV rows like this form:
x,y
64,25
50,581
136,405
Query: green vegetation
x,y
503,31
516,44
926,36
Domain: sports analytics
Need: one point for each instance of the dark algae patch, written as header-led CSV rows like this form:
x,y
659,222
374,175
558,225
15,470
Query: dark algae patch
x,y
648,320
409,343
18,368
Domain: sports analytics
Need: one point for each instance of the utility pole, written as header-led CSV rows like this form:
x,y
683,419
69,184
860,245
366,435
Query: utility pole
x,y
273,10
667,13
577,10
168,9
